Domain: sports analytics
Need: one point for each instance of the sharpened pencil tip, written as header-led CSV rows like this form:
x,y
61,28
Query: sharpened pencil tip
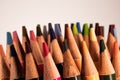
x,y
102,46
32,35
9,38
78,27
58,30
45,49
38,29
85,29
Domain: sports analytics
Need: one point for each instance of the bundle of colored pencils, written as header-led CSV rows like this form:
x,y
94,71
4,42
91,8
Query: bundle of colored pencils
x,y
79,55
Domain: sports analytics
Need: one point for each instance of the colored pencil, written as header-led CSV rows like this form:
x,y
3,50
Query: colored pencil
x,y
16,71
36,52
96,28
89,69
4,70
19,49
57,53
48,37
94,49
116,60
73,47
45,32
106,70
86,34
24,37
50,70
9,43
70,70
111,39
31,69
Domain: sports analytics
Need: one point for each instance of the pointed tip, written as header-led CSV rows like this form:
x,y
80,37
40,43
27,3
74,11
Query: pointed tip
x,y
9,38
58,30
92,35
111,28
74,29
96,28
52,34
85,29
24,31
64,46
115,49
27,47
38,29
102,46
91,25
15,36
12,51
101,30
45,49
78,27
32,35
66,28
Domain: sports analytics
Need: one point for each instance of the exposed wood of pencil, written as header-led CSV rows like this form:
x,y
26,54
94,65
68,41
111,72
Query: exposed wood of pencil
x,y
73,47
31,69
50,70
116,59
4,70
94,48
89,69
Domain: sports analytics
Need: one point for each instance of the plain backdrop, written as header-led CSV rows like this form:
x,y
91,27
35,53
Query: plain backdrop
x,y
16,13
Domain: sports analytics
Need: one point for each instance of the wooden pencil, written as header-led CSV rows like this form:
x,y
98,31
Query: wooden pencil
x,y
73,47
19,49
9,43
106,70
36,52
48,38
24,37
57,53
89,70
31,69
50,70
116,60
96,28
16,71
4,69
45,32
111,39
94,48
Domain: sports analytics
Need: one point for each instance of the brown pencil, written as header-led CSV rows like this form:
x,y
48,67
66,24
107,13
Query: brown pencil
x,y
94,48
89,69
4,70
50,70
45,32
106,70
19,49
111,39
36,52
16,71
70,70
73,47
31,69
116,60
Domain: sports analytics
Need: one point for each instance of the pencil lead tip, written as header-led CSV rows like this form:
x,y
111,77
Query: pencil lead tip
x,y
38,29
66,34
45,49
9,38
96,28
15,36
91,25
27,47
102,46
74,29
52,33
58,30
78,27
32,35
24,32
85,29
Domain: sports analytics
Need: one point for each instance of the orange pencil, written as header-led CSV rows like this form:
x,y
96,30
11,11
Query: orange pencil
x,y
4,70
9,43
36,52
73,47
50,70
31,69
16,71
19,49
89,69
94,48
106,70
70,70
24,37
111,39
116,60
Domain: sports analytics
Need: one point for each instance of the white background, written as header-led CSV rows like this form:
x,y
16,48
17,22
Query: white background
x,y
16,13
